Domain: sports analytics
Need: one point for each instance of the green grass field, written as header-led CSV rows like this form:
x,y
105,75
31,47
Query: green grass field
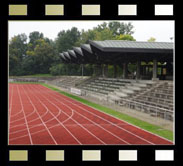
x,y
139,123
35,75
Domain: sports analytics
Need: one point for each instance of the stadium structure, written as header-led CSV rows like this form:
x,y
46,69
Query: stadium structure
x,y
149,89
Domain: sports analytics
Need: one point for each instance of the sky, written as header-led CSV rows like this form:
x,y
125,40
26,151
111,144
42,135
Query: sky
x,y
162,31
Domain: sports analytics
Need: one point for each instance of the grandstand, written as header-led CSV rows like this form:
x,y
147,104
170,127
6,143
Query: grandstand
x,y
68,81
149,92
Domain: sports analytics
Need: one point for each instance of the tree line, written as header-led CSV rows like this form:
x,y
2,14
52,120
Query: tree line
x,y
36,54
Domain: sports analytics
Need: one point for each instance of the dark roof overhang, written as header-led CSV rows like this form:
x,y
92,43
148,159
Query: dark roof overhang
x,y
132,51
87,52
62,57
79,53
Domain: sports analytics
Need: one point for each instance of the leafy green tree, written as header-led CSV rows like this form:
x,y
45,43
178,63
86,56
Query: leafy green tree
x,y
118,28
86,36
59,69
41,57
107,31
105,34
125,37
33,38
17,51
67,39
152,39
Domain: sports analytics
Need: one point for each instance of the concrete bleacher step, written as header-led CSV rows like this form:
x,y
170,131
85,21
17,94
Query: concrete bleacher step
x,y
97,96
114,97
131,87
128,91
114,80
107,89
121,94
146,82
95,90
139,84
104,85
109,83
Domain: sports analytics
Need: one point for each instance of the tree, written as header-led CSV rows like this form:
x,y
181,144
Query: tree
x,y
59,69
17,51
67,39
107,31
125,37
118,28
104,34
152,39
85,37
42,57
33,38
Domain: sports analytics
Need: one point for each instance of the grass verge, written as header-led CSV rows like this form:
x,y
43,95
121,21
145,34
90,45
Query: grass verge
x,y
139,123
34,75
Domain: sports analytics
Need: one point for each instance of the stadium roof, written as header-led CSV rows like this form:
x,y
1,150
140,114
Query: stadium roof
x,y
87,47
132,46
78,51
72,54
63,58
119,51
67,56
87,52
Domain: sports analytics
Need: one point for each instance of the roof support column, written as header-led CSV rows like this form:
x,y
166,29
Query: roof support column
x,y
103,70
138,70
94,70
125,70
82,70
106,70
142,71
115,71
155,70
98,70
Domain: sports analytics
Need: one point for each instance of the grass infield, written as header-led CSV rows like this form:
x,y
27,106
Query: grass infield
x,y
139,123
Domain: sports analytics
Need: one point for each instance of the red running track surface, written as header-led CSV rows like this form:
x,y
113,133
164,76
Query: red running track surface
x,y
40,116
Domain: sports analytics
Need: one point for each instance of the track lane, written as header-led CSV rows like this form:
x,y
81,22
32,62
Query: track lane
x,y
55,135
79,131
76,116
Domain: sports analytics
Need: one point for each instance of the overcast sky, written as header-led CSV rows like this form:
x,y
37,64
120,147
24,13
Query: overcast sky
x,y
161,30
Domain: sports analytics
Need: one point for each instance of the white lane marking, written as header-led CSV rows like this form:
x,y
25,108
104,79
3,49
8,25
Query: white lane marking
x,y
24,115
10,109
40,117
74,120
33,126
57,120
92,122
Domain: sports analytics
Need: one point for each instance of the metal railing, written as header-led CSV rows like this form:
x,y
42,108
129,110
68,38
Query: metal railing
x,y
152,110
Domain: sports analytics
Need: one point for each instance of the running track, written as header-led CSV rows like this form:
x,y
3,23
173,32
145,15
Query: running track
x,y
38,116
